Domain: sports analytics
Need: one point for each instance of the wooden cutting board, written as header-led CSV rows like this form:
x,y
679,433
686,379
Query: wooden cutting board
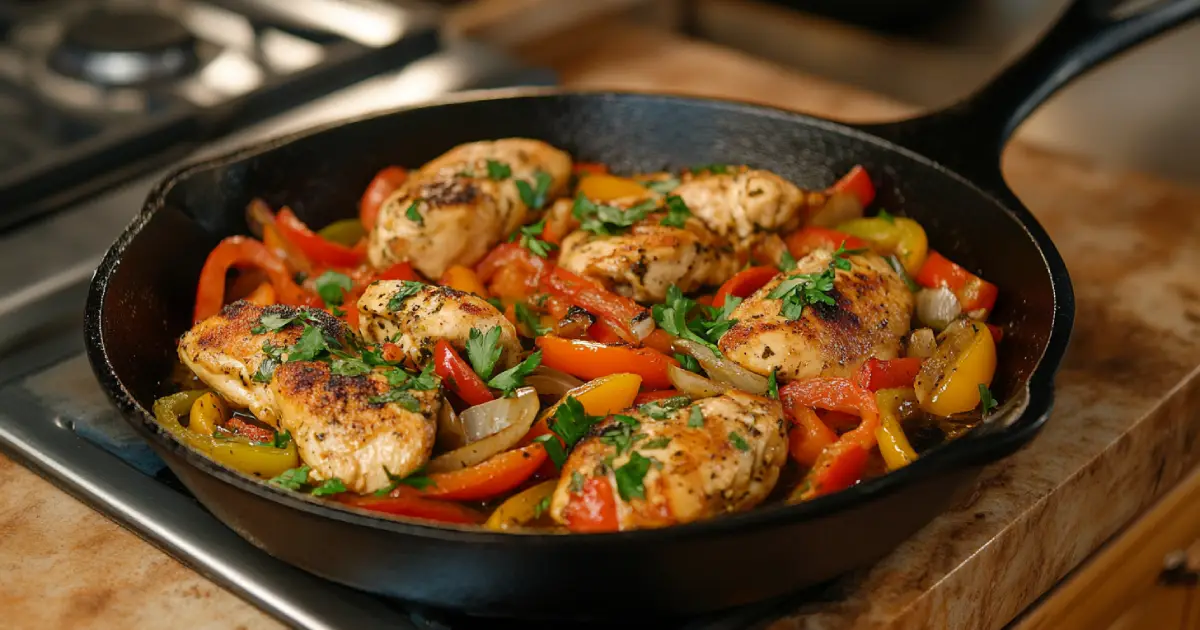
x,y
1123,432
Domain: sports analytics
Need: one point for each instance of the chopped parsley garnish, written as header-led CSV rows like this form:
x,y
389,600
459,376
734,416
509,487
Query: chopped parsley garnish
x,y
839,256
293,479
576,485
630,421
466,172
309,346
608,220
483,350
332,287
715,169
886,216
696,418
898,267
413,213
540,508
399,396
787,262
661,409
571,424
986,401
417,480
677,212
621,436
535,196
282,439
266,368
511,379
333,485
629,477
806,289
531,239
408,288
498,170
705,327
738,441
270,322
661,187
688,362
349,366
496,302
658,442
529,319
402,383
773,385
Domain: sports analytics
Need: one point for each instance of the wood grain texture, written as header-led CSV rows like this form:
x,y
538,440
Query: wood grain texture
x,y
1123,432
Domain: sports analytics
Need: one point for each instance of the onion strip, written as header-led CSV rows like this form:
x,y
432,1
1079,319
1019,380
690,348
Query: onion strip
x,y
723,370
515,415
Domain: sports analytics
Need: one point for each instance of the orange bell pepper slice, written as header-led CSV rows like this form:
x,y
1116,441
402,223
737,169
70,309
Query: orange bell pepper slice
x,y
842,463
511,271
247,252
876,374
488,479
589,360
629,319
593,509
804,241
462,279
406,501
808,436
386,182
857,183
315,248
459,376
973,292
744,283
264,295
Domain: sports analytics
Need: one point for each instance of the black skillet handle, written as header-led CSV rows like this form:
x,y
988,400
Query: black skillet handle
x,y
969,136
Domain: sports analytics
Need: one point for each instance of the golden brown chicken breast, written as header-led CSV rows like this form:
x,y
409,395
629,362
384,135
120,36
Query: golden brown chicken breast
x,y
870,316
227,350
456,207
416,316
650,257
350,428
744,202
668,465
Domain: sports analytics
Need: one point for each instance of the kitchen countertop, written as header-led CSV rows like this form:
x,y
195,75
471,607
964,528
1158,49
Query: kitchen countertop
x,y
1124,429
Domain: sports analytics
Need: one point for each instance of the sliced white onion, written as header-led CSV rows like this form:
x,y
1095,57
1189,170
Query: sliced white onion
x,y
494,416
551,382
938,307
515,414
694,385
839,208
921,343
450,434
723,370
642,327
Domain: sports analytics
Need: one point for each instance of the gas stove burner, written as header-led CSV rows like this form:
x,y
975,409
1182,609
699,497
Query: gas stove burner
x,y
122,47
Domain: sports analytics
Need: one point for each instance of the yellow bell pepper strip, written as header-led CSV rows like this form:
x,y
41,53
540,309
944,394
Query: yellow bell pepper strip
x,y
238,453
965,358
523,507
206,413
893,444
892,235
599,397
346,232
605,187
463,279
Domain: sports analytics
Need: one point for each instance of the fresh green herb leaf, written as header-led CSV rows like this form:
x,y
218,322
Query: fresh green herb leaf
x,y
498,170
554,448
496,302
511,379
270,322
530,319
401,379
787,262
898,267
773,385
632,422
886,216
351,366
738,441
483,350
541,507
330,486
535,196
576,485
466,172
986,401
266,369
658,442
309,346
840,255
282,439
608,220
531,239
332,287
661,409
408,288
571,424
801,290
696,419
630,475
619,436
401,397
688,362
293,479
413,213
663,186
417,480
677,212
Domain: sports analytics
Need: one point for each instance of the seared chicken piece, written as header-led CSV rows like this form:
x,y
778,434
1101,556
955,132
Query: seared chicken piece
x,y
451,212
869,320
340,432
428,315
647,259
740,204
225,353
730,462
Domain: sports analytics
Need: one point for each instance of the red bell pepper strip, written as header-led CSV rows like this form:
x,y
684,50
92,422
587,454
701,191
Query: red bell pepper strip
x,y
589,168
589,360
406,501
315,248
840,466
247,252
512,271
593,509
630,319
645,397
603,332
842,463
490,478
252,432
744,283
398,271
973,292
876,374
809,436
459,376
804,241
857,183
997,332
386,182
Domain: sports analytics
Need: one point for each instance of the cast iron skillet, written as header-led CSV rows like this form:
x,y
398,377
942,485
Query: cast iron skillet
x,y
941,170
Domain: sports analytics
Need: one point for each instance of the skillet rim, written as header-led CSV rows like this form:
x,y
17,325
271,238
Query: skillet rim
x,y
1028,412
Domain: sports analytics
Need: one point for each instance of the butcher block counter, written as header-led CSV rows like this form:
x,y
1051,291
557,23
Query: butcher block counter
x,y
1122,434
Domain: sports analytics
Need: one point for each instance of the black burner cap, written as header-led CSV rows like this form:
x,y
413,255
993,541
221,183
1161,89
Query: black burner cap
x,y
125,46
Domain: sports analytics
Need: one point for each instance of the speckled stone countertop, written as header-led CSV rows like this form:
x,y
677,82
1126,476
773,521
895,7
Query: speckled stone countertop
x,y
1123,431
